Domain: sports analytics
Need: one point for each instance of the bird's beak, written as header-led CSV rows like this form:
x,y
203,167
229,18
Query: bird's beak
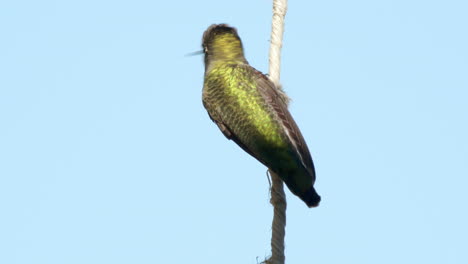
x,y
199,52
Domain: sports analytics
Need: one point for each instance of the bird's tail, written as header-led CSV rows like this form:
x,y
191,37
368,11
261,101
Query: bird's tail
x,y
311,198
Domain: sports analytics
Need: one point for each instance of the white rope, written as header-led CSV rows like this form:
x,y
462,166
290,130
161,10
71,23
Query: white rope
x,y
276,40
278,198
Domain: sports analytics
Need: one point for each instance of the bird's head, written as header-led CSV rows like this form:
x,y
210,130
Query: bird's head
x,y
222,43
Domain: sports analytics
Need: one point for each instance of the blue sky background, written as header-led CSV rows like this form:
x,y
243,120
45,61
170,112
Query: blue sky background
x,y
108,156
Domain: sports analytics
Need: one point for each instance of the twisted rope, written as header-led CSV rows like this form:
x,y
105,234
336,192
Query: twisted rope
x,y
278,198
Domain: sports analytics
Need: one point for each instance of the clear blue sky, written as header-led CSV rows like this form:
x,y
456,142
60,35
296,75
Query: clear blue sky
x,y
108,156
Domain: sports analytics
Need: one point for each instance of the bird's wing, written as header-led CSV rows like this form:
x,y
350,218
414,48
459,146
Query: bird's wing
x,y
279,103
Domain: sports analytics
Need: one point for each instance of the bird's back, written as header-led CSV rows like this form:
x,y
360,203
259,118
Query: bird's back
x,y
249,110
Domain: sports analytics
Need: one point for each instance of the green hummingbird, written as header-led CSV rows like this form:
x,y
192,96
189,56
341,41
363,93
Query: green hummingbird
x,y
251,111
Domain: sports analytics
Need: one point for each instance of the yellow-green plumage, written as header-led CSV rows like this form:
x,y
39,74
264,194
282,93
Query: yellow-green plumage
x,y
249,109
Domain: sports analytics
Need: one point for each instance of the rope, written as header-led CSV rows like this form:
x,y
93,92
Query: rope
x,y
276,41
278,198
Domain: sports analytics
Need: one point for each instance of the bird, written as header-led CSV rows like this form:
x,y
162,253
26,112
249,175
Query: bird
x,y
251,111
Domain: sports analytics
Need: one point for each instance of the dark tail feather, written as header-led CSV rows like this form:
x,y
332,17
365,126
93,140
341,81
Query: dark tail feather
x,y
311,198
